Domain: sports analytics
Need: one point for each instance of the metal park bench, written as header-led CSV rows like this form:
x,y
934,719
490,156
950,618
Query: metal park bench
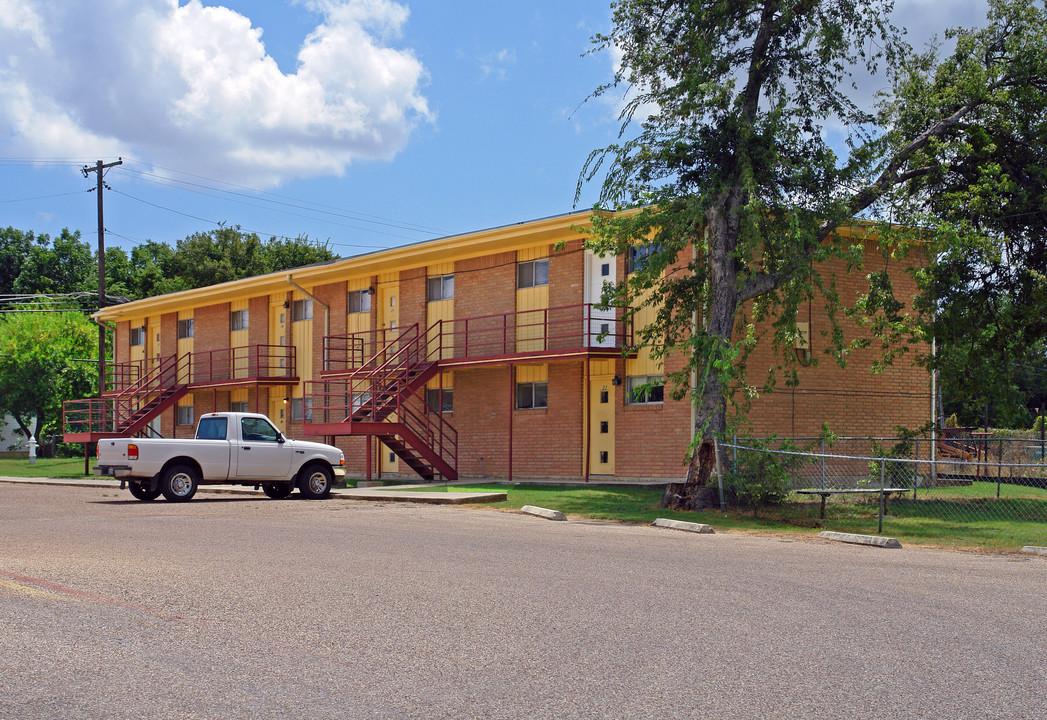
x,y
826,492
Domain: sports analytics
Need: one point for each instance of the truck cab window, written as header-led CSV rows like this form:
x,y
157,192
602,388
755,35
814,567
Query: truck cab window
x,y
258,430
213,428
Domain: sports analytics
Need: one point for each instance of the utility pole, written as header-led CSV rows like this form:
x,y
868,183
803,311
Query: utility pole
x,y
98,169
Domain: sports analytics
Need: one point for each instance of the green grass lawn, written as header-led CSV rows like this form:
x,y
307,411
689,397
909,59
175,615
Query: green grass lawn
x,y
45,467
958,517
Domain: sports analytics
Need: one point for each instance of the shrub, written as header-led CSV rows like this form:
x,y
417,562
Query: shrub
x,y
761,476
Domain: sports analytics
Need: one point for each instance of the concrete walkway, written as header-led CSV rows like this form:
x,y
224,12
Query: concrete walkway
x,y
408,493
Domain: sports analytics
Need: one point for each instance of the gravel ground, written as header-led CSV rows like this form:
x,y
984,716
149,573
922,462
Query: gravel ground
x,y
231,607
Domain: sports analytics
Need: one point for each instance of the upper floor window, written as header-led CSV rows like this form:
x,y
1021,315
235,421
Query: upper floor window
x,y
644,389
359,301
532,273
238,320
185,328
440,287
302,310
238,406
638,255
138,336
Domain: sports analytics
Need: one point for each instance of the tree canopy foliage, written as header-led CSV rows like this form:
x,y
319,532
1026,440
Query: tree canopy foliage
x,y
39,264
726,165
37,368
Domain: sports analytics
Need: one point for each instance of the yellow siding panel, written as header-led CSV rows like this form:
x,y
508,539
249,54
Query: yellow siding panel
x,y
302,338
643,364
443,310
532,373
533,253
531,318
185,346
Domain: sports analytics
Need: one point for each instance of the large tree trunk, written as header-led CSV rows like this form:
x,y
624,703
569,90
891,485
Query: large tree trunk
x,y
710,422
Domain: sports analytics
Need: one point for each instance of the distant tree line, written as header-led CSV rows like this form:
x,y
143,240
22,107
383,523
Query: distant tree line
x,y
42,353
39,264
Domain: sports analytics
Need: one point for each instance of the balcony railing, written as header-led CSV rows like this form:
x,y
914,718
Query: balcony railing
x,y
569,328
248,362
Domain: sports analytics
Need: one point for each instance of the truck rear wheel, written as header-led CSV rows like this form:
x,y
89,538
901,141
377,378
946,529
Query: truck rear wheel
x,y
140,491
277,491
179,483
315,482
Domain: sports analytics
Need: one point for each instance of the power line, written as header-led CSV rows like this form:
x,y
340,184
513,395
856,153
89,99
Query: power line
x,y
297,204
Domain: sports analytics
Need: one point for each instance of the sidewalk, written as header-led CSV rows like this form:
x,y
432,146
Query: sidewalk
x,y
409,493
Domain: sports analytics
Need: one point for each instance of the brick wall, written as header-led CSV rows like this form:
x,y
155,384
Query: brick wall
x,y
852,400
482,403
412,298
567,275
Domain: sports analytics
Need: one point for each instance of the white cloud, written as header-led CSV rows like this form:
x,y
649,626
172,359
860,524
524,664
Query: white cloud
x,y
496,64
192,87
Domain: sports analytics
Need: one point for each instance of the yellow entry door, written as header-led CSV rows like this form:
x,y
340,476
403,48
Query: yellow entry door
x,y
601,425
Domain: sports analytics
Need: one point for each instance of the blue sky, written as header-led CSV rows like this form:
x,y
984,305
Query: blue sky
x,y
365,123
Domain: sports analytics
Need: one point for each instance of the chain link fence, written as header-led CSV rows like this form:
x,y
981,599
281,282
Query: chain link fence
x,y
979,487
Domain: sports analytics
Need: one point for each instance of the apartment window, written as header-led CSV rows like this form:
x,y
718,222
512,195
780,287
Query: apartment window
x,y
185,329
440,403
302,310
637,256
532,273
238,406
531,395
644,389
440,287
138,336
184,415
359,301
301,408
238,320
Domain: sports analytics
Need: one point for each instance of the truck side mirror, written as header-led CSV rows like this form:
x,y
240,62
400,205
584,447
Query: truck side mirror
x,y
280,437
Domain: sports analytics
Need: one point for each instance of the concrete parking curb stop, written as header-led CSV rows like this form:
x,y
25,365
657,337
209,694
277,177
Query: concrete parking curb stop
x,y
543,512
1034,550
682,525
874,540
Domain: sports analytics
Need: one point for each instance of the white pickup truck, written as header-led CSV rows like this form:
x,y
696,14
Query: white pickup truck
x,y
229,448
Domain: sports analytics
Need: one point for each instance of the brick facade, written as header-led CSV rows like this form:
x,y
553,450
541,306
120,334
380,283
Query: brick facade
x,y
650,440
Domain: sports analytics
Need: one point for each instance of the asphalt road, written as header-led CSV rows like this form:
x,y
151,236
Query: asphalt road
x,y
230,607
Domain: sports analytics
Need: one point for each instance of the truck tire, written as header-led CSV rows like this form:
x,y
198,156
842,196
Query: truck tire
x,y
315,481
277,491
140,491
179,483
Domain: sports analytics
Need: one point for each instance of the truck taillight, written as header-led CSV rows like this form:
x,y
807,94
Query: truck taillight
x,y
132,452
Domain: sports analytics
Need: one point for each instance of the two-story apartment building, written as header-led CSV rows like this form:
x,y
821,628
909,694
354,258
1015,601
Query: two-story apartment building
x,y
476,355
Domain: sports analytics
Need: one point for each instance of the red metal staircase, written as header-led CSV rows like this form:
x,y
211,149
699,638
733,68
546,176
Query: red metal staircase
x,y
377,387
129,411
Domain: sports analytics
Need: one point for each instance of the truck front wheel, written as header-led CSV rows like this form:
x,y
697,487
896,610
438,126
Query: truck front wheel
x,y
179,483
315,481
140,491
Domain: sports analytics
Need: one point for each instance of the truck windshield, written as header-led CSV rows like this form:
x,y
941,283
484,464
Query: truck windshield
x,y
212,428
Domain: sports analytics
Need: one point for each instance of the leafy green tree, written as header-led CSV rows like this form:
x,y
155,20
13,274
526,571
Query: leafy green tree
x,y
730,174
37,371
984,298
15,247
65,264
